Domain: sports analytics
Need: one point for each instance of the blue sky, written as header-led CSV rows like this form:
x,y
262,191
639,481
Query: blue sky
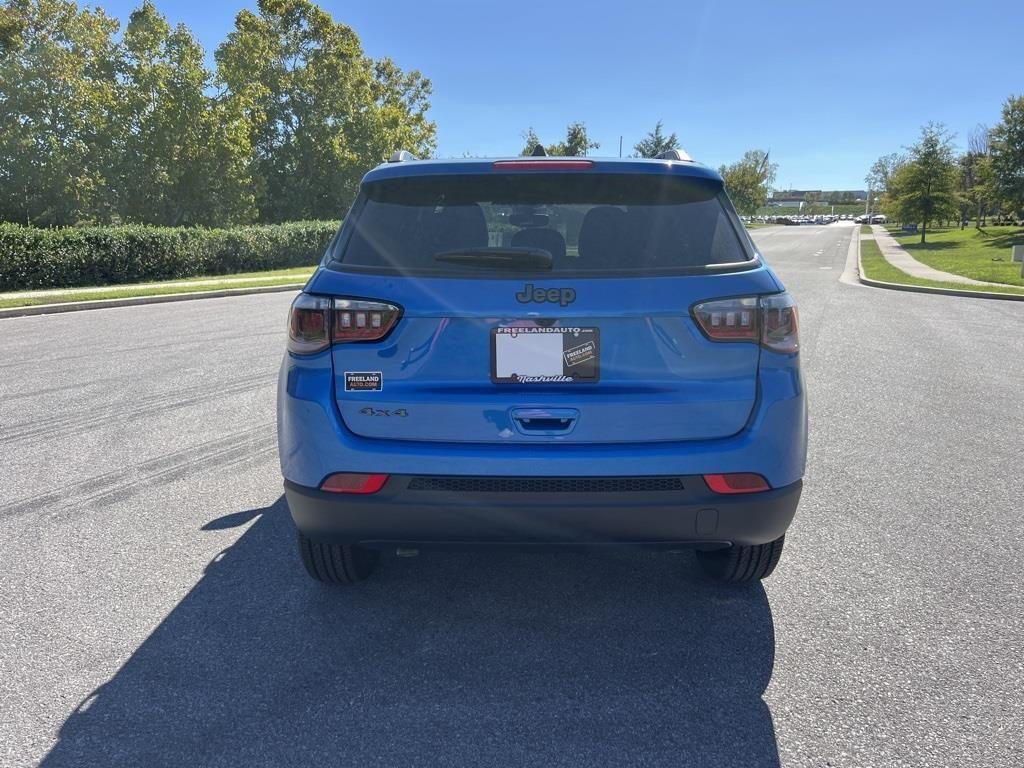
x,y
828,87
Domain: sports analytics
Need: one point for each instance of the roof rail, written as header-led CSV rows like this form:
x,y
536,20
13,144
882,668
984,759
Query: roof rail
x,y
401,156
674,154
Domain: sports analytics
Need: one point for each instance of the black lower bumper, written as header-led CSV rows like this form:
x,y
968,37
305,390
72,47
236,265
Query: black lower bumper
x,y
460,510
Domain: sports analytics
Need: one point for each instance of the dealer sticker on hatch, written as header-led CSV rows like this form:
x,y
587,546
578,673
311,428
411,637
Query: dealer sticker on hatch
x,y
536,354
364,381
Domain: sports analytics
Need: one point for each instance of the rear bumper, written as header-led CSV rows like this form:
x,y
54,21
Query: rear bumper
x,y
448,512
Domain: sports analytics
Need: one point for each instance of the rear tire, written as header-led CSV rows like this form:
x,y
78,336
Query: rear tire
x,y
336,563
738,564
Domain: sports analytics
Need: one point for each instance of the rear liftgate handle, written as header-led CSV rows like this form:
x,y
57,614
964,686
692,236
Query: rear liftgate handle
x,y
545,422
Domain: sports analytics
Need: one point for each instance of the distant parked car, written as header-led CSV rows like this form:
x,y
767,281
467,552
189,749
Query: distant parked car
x,y
878,218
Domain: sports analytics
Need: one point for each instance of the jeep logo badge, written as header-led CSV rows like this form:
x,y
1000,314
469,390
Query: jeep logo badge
x,y
561,296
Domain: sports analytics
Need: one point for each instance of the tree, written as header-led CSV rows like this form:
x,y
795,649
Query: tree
x,y
975,177
1008,154
185,158
320,112
531,140
882,171
576,144
58,92
925,189
749,180
655,142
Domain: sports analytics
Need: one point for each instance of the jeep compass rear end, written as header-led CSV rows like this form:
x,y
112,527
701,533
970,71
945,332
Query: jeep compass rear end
x,y
542,351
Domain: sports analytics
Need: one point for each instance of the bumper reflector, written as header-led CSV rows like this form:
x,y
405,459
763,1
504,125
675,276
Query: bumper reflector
x,y
737,482
351,482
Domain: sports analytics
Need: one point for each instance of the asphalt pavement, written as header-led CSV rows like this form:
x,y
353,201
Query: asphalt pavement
x,y
153,611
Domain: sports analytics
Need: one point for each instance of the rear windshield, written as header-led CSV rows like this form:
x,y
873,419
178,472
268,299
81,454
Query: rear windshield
x,y
490,224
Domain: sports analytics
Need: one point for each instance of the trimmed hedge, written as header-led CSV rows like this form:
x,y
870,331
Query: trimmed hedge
x,y
68,258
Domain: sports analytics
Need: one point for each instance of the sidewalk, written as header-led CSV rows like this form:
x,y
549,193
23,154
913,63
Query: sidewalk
x,y
895,254
227,282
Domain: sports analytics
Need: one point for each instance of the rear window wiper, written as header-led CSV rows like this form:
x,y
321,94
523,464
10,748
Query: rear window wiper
x,y
498,257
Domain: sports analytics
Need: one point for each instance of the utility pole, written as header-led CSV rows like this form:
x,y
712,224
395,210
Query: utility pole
x,y
620,146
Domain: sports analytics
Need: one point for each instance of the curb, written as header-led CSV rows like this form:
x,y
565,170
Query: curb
x,y
928,288
81,306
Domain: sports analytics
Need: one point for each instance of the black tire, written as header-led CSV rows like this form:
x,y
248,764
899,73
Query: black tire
x,y
336,563
738,564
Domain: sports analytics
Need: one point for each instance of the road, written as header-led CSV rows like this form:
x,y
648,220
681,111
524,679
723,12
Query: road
x,y
153,612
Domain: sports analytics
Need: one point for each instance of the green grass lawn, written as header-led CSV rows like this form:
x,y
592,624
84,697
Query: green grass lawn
x,y
877,268
295,275
980,254
865,229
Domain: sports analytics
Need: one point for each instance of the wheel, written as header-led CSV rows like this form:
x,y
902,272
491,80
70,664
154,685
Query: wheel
x,y
336,563
739,563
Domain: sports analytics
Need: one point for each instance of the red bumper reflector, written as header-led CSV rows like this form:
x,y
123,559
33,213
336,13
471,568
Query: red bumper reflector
x,y
350,482
737,482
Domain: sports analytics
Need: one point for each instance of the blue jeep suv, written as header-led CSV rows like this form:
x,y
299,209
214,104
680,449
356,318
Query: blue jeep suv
x,y
542,350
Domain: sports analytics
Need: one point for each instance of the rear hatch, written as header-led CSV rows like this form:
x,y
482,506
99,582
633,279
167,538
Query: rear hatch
x,y
543,306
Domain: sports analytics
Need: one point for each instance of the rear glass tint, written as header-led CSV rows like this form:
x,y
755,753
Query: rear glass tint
x,y
588,223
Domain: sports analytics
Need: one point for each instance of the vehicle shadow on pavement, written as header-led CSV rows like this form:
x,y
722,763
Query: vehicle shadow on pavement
x,y
613,657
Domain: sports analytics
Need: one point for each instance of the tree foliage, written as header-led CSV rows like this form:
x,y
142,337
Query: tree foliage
x,y
975,179
882,172
1007,146
58,130
749,180
185,156
320,112
656,142
925,188
98,127
576,143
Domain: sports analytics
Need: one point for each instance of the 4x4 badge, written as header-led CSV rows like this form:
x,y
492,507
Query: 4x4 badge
x,y
561,296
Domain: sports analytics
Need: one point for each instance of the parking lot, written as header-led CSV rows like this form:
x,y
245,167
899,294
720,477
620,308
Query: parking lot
x,y
153,611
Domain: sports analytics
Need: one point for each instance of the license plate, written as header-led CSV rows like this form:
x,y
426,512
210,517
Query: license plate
x,y
538,355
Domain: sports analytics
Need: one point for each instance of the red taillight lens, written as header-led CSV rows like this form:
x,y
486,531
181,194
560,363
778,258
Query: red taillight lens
x,y
779,324
729,319
737,482
351,482
363,320
542,165
769,320
308,322
315,322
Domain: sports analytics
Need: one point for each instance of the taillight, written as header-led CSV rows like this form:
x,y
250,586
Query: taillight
x,y
769,320
353,482
779,323
737,482
728,319
315,322
356,320
308,323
